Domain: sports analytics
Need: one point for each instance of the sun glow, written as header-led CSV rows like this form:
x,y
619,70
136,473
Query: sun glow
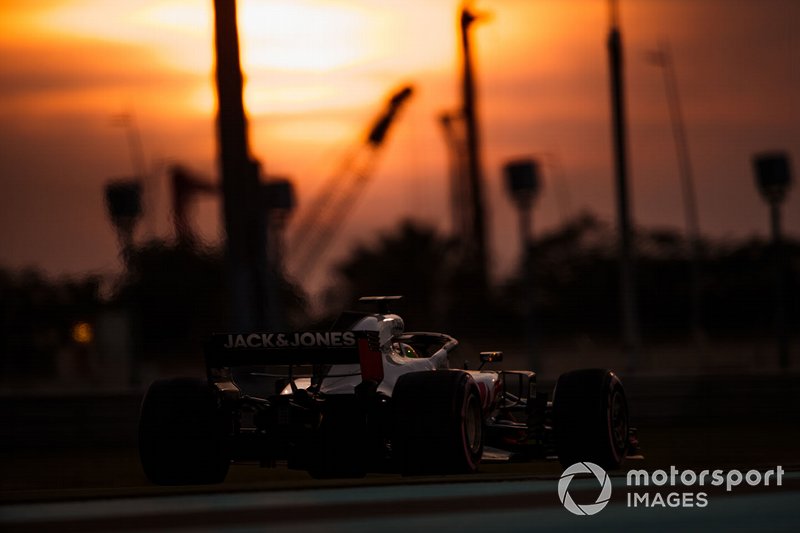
x,y
298,56
304,36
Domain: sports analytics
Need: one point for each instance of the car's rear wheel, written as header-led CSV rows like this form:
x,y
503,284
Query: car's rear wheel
x,y
590,418
184,434
438,423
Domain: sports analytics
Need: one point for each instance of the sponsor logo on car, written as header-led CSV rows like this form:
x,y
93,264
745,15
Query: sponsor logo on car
x,y
307,339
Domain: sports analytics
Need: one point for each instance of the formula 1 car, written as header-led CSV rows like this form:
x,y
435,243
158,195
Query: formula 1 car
x,y
368,396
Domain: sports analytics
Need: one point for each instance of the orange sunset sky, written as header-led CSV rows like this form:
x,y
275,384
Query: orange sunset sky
x,y
318,71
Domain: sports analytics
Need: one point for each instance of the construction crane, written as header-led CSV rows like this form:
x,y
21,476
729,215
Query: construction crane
x,y
313,232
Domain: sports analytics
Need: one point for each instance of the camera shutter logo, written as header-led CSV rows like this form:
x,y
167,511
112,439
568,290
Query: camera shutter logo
x,y
591,508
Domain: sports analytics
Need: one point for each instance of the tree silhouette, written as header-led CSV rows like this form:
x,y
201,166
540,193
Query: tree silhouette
x,y
413,262
177,295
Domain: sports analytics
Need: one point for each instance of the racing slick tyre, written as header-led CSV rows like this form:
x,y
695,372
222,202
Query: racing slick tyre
x,y
184,435
590,418
438,423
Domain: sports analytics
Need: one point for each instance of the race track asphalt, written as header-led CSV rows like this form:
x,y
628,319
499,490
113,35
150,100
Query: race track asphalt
x,y
52,485
523,505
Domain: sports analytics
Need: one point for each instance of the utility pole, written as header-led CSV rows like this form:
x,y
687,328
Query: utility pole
x,y
477,237
630,326
246,246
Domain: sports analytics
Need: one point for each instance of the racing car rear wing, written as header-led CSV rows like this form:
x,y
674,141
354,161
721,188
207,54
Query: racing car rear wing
x,y
225,351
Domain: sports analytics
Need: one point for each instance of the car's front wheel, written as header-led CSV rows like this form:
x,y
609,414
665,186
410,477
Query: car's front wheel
x,y
590,418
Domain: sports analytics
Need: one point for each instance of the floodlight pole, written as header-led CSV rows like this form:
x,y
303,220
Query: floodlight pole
x,y
774,179
781,331
139,166
630,327
523,184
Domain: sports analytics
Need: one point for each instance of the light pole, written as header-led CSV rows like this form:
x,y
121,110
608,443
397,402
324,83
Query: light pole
x,y
523,185
139,166
124,204
630,326
773,178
